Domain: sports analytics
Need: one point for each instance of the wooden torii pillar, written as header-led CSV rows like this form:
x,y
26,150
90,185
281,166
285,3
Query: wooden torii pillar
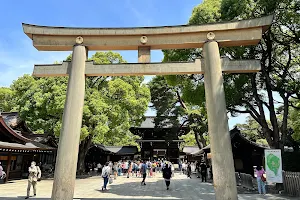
x,y
207,36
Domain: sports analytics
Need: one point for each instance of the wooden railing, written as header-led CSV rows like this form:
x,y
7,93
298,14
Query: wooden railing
x,y
291,183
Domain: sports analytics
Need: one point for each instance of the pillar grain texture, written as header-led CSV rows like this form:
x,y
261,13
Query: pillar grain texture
x,y
222,159
65,169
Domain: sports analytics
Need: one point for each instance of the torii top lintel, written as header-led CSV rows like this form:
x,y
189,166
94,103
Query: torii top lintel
x,y
234,33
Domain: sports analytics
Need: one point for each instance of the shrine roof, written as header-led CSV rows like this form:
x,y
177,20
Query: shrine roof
x,y
122,150
9,132
234,133
15,140
28,146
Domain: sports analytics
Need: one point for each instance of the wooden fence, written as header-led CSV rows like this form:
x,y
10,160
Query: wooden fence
x,y
291,183
245,180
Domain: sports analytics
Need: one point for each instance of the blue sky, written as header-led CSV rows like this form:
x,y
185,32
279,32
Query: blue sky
x,y
17,55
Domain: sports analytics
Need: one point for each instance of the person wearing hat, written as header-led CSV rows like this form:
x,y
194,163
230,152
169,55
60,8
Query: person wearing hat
x,y
33,177
167,173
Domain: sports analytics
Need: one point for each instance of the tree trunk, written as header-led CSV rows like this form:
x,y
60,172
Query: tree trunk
x,y
200,145
83,149
284,128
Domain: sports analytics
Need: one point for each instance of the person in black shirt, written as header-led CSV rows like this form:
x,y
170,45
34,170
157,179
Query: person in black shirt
x,y
167,174
189,170
203,171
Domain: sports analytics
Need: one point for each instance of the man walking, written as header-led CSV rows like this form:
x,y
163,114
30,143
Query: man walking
x,y
144,172
33,177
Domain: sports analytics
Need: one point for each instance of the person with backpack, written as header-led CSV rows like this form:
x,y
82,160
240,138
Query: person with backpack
x,y
167,174
105,175
34,176
261,180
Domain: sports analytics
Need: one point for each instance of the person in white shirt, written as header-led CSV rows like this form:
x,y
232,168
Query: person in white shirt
x,y
33,177
106,171
184,167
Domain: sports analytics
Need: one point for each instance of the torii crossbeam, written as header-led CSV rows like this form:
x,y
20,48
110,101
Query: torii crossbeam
x,y
197,67
208,37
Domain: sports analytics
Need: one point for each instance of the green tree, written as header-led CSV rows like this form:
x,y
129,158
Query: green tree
x,y
7,101
167,101
294,122
112,105
278,52
252,131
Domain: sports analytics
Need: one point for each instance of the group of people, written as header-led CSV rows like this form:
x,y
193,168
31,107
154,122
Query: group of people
x,y
198,167
138,169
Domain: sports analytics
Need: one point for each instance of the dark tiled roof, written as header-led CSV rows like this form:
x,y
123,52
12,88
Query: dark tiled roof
x,y
233,133
122,150
16,141
28,146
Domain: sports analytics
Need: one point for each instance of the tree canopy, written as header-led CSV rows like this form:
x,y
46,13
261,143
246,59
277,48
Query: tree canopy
x,y
112,105
278,51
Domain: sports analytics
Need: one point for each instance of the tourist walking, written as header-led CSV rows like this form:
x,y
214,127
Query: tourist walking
x,y
189,170
105,175
129,168
115,169
119,168
184,165
261,180
34,175
167,174
144,172
203,171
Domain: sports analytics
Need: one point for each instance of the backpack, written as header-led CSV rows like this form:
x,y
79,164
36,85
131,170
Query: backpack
x,y
263,179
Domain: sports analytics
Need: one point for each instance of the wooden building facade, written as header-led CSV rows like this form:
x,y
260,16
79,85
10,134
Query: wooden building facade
x,y
246,153
19,148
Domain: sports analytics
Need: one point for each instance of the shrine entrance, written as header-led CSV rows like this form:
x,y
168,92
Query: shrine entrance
x,y
207,36
159,143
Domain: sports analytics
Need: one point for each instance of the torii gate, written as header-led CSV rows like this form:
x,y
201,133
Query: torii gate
x,y
207,36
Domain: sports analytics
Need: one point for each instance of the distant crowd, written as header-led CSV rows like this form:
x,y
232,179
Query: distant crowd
x,y
147,168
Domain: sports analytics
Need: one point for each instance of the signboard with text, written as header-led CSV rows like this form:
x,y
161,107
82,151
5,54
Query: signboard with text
x,y
273,164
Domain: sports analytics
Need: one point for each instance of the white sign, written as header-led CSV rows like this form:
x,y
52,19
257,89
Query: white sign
x,y
273,164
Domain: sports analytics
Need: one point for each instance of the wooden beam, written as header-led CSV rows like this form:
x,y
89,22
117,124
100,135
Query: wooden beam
x,y
233,33
144,54
8,166
127,69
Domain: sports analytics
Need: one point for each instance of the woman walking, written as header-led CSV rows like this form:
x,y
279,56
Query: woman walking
x,y
261,180
167,174
105,175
